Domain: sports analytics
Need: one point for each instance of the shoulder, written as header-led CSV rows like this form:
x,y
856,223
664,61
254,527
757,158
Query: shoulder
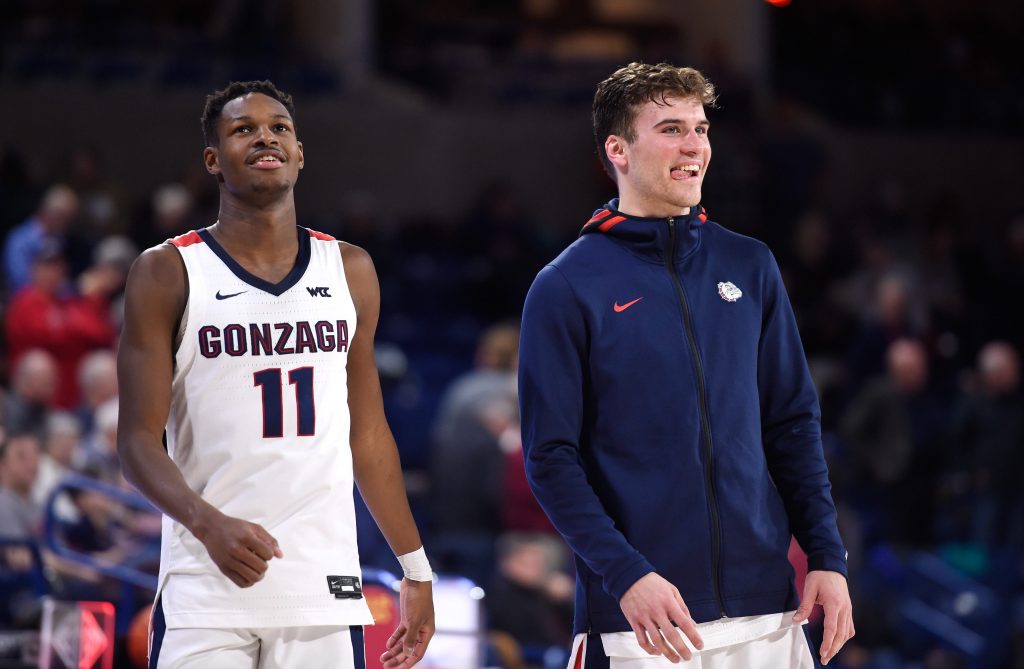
x,y
583,256
356,258
734,247
157,283
161,264
717,234
24,232
551,293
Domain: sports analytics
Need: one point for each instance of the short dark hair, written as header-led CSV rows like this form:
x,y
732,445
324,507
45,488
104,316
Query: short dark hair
x,y
619,96
5,444
215,103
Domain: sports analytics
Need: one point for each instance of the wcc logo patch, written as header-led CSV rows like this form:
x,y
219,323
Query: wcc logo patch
x,y
318,291
728,291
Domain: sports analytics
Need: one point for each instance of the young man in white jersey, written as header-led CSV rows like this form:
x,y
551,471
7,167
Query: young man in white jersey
x,y
251,343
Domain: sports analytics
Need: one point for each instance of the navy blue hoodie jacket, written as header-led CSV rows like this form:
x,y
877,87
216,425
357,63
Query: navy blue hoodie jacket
x,y
669,419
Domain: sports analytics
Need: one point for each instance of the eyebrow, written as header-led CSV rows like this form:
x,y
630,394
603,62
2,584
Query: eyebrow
x,y
676,121
245,117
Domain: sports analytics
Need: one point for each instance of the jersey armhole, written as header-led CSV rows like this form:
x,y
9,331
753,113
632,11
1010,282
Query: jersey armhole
x,y
181,322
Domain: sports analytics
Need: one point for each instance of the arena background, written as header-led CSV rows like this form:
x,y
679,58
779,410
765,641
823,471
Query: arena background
x,y
876,146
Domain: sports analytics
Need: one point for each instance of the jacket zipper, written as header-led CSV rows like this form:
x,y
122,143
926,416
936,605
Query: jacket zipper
x,y
705,420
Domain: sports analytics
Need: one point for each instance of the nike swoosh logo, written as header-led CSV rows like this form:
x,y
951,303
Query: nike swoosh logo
x,y
619,308
224,297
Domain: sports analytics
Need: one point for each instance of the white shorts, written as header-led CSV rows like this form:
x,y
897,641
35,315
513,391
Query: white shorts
x,y
318,647
754,642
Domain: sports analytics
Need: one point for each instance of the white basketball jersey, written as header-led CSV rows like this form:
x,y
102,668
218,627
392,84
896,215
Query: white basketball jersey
x,y
259,427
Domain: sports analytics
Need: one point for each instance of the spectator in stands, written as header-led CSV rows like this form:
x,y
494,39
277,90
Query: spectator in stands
x,y
49,224
893,428
20,520
101,445
19,466
467,462
114,255
169,214
531,596
520,511
988,433
33,390
95,526
57,460
897,312
97,384
42,316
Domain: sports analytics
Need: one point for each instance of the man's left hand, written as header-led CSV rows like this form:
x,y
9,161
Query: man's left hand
x,y
409,641
829,589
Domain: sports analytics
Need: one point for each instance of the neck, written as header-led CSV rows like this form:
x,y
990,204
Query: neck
x,y
641,208
274,212
241,225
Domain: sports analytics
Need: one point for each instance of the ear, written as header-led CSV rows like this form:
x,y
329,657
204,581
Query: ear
x,y
617,150
211,160
302,159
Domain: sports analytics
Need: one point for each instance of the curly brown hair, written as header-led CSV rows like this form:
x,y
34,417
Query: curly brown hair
x,y
619,97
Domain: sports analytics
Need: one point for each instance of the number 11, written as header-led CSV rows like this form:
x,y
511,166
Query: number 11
x,y
269,380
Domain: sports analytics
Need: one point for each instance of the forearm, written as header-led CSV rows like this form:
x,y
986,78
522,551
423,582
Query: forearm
x,y
147,466
563,491
378,473
798,468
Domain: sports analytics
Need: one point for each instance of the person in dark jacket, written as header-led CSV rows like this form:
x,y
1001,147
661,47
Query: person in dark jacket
x,y
670,427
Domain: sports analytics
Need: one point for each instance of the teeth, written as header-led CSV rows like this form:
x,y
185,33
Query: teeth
x,y
264,159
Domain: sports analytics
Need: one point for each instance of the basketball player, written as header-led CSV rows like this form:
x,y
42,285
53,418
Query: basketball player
x,y
670,427
251,343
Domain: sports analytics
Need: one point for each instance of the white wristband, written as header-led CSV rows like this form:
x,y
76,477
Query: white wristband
x,y
415,566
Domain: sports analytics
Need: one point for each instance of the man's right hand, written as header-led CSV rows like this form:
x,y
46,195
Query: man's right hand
x,y
654,609
240,549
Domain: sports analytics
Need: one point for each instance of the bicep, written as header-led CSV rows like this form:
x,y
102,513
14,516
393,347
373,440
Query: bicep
x,y
154,299
364,393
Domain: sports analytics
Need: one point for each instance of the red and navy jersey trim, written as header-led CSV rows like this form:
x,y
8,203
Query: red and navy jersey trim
x,y
187,239
322,236
606,219
276,289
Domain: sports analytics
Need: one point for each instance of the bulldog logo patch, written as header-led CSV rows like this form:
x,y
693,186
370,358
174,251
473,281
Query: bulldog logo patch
x,y
728,291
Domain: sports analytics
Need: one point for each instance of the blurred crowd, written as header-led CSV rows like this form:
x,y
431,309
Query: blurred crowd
x,y
908,304
906,312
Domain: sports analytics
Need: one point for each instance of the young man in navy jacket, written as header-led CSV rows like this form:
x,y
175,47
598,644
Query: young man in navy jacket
x,y
670,426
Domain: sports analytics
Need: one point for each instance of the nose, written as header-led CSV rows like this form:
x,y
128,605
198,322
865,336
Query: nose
x,y
265,136
692,143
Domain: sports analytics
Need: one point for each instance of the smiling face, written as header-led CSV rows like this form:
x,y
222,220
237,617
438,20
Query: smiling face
x,y
660,172
257,154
